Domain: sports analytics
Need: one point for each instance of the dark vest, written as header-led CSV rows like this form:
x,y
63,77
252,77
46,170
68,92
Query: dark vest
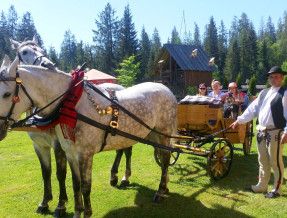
x,y
276,107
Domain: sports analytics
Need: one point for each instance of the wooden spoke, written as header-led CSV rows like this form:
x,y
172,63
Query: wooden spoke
x,y
225,166
216,172
226,152
215,165
221,172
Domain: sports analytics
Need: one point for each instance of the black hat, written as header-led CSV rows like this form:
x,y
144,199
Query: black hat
x,y
275,69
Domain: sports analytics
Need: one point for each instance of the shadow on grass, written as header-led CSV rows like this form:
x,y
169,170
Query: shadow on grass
x,y
174,205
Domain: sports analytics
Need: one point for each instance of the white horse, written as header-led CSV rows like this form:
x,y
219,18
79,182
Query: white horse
x,y
30,53
153,103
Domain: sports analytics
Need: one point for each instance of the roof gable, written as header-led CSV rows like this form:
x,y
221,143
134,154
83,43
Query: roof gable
x,y
182,54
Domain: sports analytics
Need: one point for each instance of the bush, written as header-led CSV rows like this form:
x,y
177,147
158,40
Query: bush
x,y
239,81
191,90
267,84
252,86
225,83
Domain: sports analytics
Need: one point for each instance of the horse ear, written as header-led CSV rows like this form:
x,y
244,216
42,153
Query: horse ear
x,y
6,62
14,44
13,67
35,39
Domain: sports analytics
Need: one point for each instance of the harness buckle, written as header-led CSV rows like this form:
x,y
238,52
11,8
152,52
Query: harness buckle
x,y
18,80
114,124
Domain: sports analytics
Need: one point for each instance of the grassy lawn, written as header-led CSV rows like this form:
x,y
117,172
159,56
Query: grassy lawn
x,y
192,193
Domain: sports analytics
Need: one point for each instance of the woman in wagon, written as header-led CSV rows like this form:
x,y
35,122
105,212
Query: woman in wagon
x,y
202,89
216,93
238,97
271,109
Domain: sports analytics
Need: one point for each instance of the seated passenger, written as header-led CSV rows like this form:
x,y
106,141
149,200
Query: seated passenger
x,y
217,94
202,89
238,96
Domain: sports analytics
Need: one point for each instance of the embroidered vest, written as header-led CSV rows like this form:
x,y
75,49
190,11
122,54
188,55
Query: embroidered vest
x,y
276,107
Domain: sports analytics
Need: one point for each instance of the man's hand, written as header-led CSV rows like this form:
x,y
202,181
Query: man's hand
x,y
283,138
236,124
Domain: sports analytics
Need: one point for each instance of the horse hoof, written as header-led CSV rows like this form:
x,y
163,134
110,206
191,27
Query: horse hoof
x,y
158,198
114,181
60,212
42,209
125,183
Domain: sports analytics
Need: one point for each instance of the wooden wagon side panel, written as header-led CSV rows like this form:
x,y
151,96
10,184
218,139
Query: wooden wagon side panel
x,y
198,117
233,135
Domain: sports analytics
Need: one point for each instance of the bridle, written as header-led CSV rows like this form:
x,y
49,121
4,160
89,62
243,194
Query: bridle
x,y
15,99
30,45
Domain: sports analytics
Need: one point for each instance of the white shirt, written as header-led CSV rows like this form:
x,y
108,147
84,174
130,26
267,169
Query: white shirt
x,y
265,118
217,97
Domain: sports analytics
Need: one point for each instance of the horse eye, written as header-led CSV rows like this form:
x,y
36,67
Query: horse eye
x,y
24,52
6,95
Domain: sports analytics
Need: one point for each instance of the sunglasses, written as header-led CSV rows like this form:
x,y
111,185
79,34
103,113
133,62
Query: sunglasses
x,y
202,88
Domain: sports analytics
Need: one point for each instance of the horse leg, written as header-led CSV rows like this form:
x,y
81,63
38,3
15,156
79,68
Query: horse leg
x,y
115,167
79,208
44,156
128,153
165,158
61,162
86,165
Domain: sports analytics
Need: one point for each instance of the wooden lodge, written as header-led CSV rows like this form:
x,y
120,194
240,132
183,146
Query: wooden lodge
x,y
181,66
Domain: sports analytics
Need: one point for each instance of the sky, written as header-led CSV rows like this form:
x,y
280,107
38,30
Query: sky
x,y
53,17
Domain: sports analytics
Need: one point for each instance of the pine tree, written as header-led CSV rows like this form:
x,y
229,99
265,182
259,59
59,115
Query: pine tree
x,y
12,22
128,43
232,64
53,56
68,56
155,49
270,30
27,29
175,38
196,36
106,39
4,37
222,49
144,53
210,44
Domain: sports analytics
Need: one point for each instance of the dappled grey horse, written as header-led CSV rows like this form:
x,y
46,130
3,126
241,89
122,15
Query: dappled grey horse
x,y
153,103
30,53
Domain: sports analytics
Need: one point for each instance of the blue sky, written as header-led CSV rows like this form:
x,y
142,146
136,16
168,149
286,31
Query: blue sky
x,y
53,17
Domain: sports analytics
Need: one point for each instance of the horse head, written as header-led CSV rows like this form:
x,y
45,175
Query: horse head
x,y
30,53
9,95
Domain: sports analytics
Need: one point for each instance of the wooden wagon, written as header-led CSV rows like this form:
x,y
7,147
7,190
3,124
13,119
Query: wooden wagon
x,y
201,124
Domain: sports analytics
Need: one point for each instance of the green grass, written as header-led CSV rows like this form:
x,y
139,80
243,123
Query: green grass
x,y
192,193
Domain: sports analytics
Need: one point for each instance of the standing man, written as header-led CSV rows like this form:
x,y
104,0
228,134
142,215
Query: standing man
x,y
271,109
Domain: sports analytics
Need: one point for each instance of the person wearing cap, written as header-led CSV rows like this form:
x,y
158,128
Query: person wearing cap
x,y
271,109
239,99
202,89
216,93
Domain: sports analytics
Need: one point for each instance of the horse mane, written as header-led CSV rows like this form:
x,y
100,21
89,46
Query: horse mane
x,y
28,67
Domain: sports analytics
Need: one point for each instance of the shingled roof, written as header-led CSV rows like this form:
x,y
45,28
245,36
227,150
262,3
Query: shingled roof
x,y
182,54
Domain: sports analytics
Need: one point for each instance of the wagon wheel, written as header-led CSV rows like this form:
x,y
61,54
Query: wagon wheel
x,y
248,138
173,158
220,159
